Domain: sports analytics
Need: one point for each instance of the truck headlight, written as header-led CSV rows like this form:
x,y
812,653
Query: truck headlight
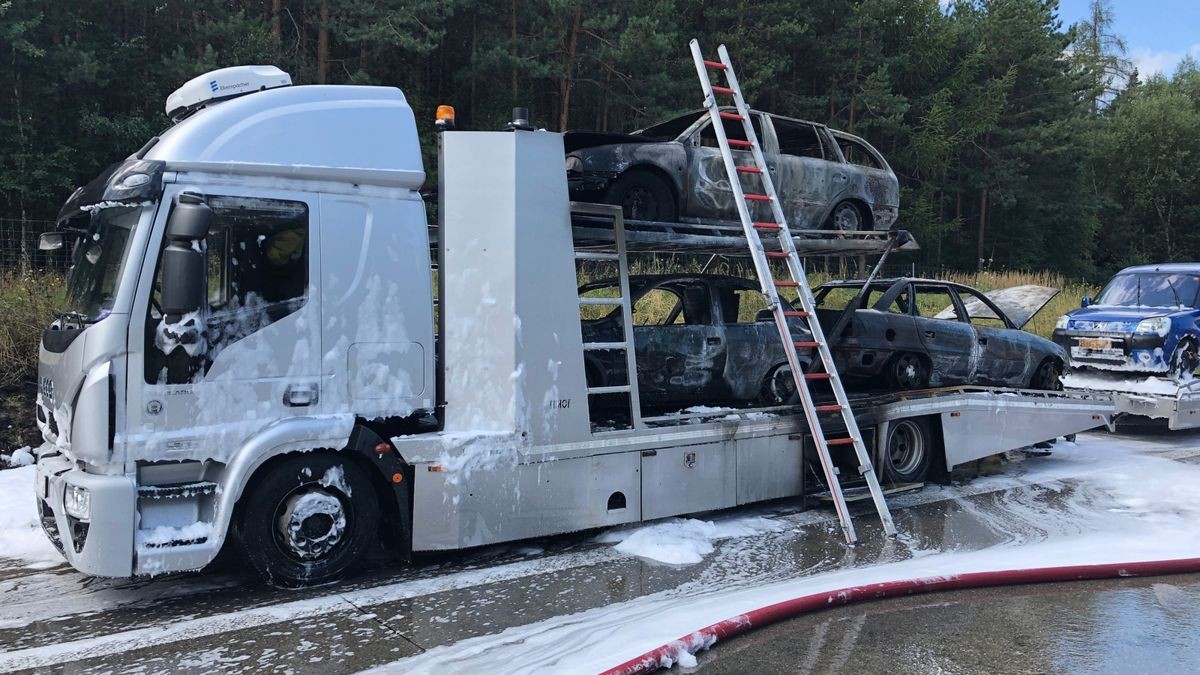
x,y
78,502
1063,322
1159,325
574,163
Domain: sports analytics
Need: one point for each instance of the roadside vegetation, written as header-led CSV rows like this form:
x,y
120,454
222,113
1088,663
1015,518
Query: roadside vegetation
x,y
27,305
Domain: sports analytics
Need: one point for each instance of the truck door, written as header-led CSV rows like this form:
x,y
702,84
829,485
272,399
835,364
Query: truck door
x,y
950,341
680,353
801,173
203,384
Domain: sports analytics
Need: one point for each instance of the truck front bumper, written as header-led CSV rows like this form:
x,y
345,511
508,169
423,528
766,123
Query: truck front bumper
x,y
102,545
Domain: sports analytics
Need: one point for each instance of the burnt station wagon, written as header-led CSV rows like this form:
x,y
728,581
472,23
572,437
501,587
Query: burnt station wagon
x,y
916,333
699,339
673,171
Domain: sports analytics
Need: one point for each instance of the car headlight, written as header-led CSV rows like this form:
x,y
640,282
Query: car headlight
x,y
574,163
1159,325
1063,322
78,502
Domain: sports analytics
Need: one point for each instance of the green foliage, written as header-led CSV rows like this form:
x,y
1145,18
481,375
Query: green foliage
x,y
1019,142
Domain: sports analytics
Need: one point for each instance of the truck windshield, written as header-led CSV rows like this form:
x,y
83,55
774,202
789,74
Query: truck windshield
x,y
98,259
1150,289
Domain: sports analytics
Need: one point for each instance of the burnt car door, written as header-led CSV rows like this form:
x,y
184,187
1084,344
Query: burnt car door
x,y
680,351
950,342
804,176
1003,354
756,366
709,194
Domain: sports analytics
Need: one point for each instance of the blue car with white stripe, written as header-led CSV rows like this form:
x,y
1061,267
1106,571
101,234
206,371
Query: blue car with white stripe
x,y
1146,320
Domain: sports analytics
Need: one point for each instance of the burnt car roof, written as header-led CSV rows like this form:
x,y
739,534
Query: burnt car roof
x,y
640,280
1019,304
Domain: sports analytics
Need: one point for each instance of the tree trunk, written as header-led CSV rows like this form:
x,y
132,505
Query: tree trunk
x,y
276,26
568,82
983,216
323,45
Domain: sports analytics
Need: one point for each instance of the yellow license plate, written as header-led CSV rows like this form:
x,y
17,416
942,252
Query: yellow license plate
x,y
1095,343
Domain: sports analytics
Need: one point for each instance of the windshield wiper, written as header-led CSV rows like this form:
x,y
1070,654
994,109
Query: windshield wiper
x,y
1178,302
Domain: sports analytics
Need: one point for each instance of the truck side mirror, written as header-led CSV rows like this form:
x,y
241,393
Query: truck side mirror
x,y
1085,301
183,260
50,241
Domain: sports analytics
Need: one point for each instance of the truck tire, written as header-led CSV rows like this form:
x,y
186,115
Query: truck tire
x,y
309,520
908,371
643,196
907,452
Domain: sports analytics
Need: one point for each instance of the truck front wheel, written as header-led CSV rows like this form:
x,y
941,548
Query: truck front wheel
x,y
310,519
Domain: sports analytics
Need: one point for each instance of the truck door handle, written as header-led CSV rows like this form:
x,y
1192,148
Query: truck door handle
x,y
713,341
300,395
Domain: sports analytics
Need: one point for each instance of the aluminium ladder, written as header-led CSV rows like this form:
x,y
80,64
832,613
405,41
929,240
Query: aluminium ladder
x,y
770,287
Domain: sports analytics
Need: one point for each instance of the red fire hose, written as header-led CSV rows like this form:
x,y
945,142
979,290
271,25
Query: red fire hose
x,y
666,655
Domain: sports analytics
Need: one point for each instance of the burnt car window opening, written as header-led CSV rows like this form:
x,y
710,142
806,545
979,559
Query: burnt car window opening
x,y
933,301
899,305
857,153
743,305
975,318
658,307
1150,289
797,139
670,129
733,129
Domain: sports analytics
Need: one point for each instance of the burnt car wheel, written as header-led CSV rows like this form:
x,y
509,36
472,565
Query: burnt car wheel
x,y
909,371
780,387
311,519
643,196
1185,360
846,217
906,456
1046,377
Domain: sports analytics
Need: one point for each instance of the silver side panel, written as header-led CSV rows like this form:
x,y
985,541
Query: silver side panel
x,y
1181,411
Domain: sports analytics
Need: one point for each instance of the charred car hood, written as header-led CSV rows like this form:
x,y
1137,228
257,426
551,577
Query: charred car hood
x,y
577,140
1019,303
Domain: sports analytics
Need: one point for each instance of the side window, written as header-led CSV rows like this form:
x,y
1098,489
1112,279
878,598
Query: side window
x,y
936,302
658,307
857,152
979,313
900,305
733,130
799,140
257,273
836,298
743,305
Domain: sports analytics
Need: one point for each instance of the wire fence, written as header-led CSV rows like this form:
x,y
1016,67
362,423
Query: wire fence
x,y
19,252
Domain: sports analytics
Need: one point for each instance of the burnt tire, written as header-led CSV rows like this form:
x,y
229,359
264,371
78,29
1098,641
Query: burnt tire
x,y
1047,376
907,452
779,388
1185,360
643,196
845,217
908,371
310,519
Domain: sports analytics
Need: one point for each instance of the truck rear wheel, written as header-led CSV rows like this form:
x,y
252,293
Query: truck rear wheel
x,y
907,452
309,520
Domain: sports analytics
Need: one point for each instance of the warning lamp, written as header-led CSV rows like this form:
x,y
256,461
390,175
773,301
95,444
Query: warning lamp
x,y
444,118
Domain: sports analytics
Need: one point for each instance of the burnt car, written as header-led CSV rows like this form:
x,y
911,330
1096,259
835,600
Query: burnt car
x,y
916,333
699,339
673,171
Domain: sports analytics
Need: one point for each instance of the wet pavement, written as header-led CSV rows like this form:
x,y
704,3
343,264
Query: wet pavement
x,y
224,621
1110,626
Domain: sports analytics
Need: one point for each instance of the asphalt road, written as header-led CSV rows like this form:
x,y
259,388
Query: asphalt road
x,y
222,620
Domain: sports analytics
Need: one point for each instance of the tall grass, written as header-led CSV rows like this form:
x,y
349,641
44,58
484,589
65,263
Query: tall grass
x,y
27,305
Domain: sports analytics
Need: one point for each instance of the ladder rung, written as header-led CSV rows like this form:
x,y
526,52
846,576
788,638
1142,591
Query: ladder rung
x,y
619,389
771,227
600,301
722,90
776,254
816,376
796,313
840,441
738,143
833,407
786,284
757,198
717,65
590,255
807,344
731,116
749,169
594,346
